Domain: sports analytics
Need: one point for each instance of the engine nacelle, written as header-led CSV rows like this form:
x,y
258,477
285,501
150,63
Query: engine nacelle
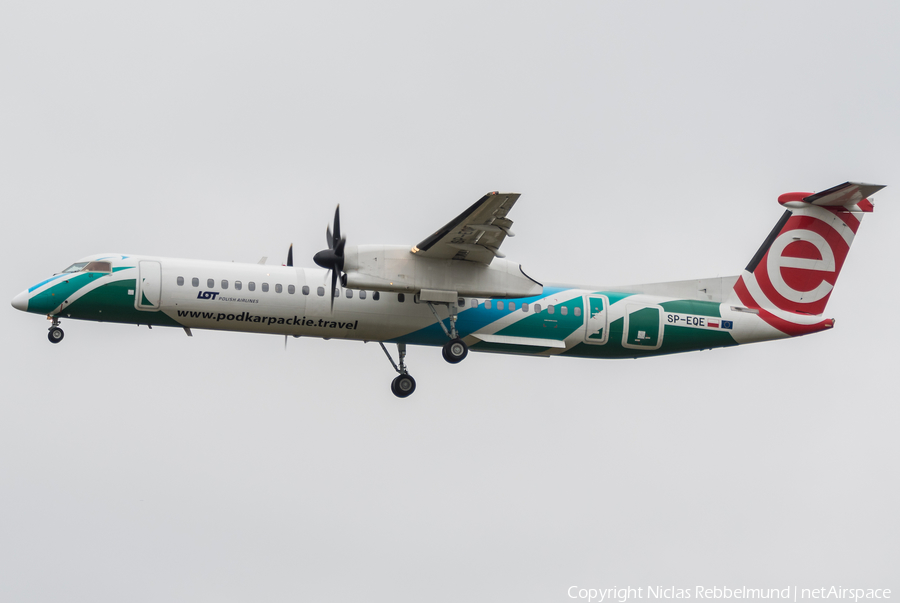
x,y
394,268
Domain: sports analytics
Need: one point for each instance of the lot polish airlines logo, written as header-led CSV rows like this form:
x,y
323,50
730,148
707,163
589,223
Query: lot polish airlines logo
x,y
207,294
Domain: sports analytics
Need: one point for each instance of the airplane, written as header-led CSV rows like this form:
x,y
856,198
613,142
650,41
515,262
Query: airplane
x,y
456,290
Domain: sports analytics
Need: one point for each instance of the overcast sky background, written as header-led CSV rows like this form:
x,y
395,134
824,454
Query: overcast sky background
x,y
649,141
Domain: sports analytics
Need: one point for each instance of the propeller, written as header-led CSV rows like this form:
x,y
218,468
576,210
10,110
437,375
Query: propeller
x,y
333,257
290,262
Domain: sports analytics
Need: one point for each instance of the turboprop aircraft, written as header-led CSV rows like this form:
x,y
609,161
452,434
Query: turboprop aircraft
x,y
455,290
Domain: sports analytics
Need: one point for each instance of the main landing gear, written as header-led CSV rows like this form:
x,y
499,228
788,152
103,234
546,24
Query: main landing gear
x,y
403,384
55,334
455,350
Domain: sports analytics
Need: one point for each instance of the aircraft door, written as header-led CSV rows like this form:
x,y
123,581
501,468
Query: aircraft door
x,y
149,283
643,327
596,331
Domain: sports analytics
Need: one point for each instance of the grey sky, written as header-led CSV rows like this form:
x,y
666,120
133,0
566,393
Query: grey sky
x,y
649,141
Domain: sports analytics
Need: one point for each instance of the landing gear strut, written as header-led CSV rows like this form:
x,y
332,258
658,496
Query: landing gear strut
x,y
403,384
55,334
455,350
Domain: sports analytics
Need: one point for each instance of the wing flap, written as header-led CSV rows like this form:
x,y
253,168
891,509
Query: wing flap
x,y
529,341
474,235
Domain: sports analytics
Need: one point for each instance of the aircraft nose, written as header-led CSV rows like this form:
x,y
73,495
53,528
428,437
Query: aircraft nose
x,y
20,302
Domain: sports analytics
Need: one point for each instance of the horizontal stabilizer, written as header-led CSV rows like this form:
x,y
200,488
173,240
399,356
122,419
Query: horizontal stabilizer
x,y
844,195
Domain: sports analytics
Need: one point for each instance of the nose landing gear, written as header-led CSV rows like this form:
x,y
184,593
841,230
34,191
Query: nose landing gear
x,y
55,334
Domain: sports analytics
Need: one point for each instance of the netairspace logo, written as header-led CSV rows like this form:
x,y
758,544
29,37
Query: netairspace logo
x,y
791,593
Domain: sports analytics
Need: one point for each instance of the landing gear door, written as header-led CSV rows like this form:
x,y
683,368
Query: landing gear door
x,y
149,285
596,328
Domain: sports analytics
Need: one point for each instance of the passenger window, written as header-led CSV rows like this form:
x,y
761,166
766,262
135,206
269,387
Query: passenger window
x,y
210,283
499,305
195,282
461,302
362,295
180,281
577,311
550,309
376,296
337,292
563,310
291,289
487,304
224,284
537,307
320,291
251,286
238,285
474,303
401,298
277,287
265,287
349,293
524,307
305,290
512,305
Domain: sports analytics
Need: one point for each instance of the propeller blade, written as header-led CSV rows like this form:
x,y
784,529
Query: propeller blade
x,y
333,287
290,261
337,225
285,343
339,253
329,240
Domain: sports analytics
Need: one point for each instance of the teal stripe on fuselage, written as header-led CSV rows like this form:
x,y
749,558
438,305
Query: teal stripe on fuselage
x,y
42,283
49,299
471,320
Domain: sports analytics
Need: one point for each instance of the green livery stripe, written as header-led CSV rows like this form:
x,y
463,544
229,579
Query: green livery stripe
x,y
683,339
687,306
675,339
113,303
48,299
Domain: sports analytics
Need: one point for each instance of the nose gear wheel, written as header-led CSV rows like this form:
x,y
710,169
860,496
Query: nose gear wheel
x,y
55,335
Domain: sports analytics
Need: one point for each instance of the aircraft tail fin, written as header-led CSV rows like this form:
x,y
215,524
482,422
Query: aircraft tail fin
x,y
791,276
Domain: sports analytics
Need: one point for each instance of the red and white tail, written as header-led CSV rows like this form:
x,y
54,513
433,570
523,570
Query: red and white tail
x,y
791,277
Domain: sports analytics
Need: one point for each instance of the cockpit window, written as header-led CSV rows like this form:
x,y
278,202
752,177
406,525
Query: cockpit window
x,y
89,267
98,267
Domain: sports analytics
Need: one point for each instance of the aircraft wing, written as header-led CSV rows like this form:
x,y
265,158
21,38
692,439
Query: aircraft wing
x,y
474,235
